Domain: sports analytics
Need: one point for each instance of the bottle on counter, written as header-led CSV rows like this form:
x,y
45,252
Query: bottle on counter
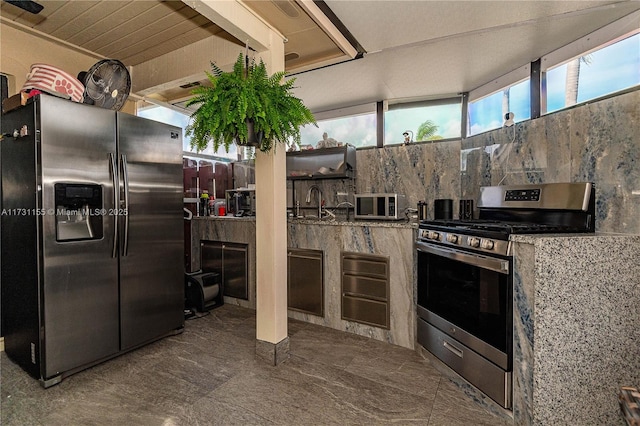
x,y
204,204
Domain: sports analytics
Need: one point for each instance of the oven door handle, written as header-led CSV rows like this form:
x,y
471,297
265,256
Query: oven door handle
x,y
492,263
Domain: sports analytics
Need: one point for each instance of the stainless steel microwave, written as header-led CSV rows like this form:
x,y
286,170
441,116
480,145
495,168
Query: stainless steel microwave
x,y
380,206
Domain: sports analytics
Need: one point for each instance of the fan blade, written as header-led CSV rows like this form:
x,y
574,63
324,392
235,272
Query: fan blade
x,y
28,5
94,88
108,102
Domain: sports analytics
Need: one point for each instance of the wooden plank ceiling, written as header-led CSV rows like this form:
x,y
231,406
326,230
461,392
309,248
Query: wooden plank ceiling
x,y
137,31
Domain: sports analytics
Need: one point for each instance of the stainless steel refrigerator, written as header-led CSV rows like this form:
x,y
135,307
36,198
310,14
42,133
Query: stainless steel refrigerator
x,y
92,235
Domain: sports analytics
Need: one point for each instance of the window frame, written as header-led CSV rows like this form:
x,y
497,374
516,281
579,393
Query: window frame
x,y
352,111
620,29
398,104
483,93
562,55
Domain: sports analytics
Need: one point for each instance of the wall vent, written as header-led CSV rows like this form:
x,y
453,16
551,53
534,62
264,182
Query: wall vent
x,y
291,56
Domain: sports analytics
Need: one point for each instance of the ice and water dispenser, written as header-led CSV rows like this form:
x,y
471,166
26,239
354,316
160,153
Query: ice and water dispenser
x,y
79,211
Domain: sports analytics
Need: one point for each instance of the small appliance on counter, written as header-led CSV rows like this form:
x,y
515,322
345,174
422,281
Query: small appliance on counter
x,y
382,206
443,209
241,201
219,208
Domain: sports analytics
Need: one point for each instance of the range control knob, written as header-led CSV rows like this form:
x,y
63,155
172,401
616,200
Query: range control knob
x,y
452,238
424,233
486,244
474,242
434,235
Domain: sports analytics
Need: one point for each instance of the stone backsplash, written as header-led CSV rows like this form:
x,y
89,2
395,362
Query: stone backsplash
x,y
597,142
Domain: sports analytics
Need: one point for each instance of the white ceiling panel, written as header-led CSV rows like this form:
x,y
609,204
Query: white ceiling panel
x,y
460,59
381,24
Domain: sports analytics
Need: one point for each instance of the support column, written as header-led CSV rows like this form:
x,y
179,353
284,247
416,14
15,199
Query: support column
x,y
272,341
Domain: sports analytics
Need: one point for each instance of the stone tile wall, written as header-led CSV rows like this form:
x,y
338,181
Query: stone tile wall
x,y
597,142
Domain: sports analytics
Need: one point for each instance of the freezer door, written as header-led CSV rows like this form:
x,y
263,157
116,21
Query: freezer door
x,y
79,284
152,239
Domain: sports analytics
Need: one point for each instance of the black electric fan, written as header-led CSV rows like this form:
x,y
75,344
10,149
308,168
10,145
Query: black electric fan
x,y
107,84
29,6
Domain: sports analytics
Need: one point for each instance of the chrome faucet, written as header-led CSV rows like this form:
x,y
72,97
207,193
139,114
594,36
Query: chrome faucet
x,y
311,188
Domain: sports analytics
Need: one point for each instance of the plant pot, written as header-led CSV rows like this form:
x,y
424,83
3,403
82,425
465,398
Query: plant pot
x,y
253,139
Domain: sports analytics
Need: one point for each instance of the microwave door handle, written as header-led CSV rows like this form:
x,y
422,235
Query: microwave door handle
x,y
498,265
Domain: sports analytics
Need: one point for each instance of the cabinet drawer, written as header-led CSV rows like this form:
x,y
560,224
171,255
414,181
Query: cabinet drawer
x,y
365,265
365,311
491,379
356,285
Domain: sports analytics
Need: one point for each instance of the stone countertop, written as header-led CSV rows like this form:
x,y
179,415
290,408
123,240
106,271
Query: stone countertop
x,y
533,238
328,222
228,217
370,223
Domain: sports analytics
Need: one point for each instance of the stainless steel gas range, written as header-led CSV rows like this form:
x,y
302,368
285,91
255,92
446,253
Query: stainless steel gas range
x,y
465,276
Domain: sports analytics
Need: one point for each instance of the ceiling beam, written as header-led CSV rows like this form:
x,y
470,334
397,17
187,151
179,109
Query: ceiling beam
x,y
328,27
237,19
184,65
188,64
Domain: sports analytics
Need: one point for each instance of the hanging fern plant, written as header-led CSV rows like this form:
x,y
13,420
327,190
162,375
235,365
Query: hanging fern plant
x,y
246,97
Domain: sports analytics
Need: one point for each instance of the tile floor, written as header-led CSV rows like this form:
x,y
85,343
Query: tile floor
x,y
209,375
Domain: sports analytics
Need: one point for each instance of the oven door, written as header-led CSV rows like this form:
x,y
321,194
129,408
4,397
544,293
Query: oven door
x,y
468,297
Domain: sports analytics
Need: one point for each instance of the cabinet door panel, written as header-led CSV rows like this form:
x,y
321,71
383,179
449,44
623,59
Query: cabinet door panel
x,y
234,258
211,256
231,260
305,281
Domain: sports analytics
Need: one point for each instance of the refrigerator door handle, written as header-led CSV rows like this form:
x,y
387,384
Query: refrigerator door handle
x,y
125,175
114,177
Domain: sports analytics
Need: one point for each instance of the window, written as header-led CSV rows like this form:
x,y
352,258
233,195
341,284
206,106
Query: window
x,y
603,71
488,113
423,121
175,118
357,130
